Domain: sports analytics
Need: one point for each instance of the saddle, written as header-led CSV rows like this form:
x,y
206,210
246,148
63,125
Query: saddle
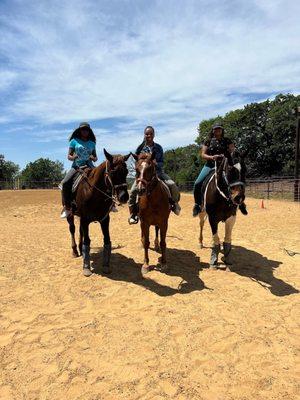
x,y
80,174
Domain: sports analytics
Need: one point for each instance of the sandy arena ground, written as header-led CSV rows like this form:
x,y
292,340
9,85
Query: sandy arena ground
x,y
194,333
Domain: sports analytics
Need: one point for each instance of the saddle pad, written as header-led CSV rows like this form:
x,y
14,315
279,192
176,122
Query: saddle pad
x,y
204,184
76,180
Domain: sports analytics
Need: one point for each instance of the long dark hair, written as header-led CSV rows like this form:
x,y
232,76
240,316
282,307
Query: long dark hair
x,y
140,147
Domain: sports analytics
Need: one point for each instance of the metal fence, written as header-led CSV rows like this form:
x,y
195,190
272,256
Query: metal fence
x,y
276,187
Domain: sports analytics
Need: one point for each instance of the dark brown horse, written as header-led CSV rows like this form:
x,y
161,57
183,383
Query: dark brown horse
x,y
154,206
224,191
94,199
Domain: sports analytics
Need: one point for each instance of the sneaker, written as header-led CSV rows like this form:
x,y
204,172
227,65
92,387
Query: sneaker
x,y
196,210
114,208
133,219
66,213
176,209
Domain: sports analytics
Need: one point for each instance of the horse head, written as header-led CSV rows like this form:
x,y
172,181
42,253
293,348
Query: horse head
x,y
145,167
116,174
234,170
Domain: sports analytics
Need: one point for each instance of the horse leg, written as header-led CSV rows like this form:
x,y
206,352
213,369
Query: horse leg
x,y
146,243
202,220
216,243
70,220
80,240
229,224
156,244
163,246
106,246
86,249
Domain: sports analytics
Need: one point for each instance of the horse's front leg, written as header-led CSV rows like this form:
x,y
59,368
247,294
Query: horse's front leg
x,y
216,242
106,246
229,224
163,246
70,220
156,243
202,216
86,248
146,243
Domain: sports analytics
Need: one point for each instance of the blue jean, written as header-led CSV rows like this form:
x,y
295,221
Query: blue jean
x,y
198,183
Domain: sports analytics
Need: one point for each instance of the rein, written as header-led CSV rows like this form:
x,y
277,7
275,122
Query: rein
x,y
109,179
230,185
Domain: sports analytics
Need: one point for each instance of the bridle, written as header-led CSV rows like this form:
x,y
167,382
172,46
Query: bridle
x,y
108,181
230,185
149,184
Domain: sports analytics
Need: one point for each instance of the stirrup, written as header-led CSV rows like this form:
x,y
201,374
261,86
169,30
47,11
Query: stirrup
x,y
133,219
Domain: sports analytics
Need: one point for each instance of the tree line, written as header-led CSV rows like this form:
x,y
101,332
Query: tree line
x,y
266,130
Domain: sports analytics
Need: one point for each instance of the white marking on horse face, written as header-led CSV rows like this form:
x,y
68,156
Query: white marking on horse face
x,y
143,164
238,166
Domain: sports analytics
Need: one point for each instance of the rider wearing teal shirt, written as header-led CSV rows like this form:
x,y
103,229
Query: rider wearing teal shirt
x,y
82,151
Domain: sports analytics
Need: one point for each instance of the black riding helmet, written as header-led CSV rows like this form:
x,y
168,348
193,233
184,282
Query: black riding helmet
x,y
76,133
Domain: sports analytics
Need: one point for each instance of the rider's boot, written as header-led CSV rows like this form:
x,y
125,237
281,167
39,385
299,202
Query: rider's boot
x,y
243,209
133,219
196,210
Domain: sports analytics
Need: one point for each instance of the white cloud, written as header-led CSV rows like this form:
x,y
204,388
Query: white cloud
x,y
163,62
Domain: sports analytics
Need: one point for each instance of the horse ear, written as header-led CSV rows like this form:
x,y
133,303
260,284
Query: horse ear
x,y
126,157
152,156
135,156
108,156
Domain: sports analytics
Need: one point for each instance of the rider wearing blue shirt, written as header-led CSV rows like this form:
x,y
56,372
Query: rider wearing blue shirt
x,y
82,151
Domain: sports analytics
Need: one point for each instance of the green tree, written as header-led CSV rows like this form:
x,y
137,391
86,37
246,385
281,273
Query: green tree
x,y
42,172
183,163
8,169
266,129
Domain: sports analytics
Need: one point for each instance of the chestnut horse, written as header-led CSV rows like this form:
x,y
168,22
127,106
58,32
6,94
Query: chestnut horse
x,y
154,206
95,195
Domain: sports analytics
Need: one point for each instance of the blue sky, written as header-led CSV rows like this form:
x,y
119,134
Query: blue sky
x,y
122,65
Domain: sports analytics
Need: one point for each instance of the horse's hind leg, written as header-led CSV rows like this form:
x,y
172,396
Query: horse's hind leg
x,y
202,216
156,242
72,232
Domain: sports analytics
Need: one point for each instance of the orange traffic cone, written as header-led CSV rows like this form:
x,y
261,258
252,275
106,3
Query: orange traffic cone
x,y
262,204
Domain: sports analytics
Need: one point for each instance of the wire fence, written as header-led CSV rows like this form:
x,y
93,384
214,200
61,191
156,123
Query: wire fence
x,y
287,187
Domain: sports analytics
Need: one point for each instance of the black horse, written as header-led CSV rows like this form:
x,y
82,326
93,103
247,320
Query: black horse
x,y
94,199
223,191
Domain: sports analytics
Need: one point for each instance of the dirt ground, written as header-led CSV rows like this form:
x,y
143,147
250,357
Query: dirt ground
x,y
193,333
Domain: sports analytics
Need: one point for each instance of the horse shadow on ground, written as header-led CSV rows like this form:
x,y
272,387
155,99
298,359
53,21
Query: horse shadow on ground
x,y
260,269
182,263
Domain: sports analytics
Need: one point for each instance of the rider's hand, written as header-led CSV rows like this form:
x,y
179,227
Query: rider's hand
x,y
215,157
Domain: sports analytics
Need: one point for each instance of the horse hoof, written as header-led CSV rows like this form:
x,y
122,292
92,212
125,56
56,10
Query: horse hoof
x,y
213,266
226,261
201,246
106,270
145,269
87,272
75,254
